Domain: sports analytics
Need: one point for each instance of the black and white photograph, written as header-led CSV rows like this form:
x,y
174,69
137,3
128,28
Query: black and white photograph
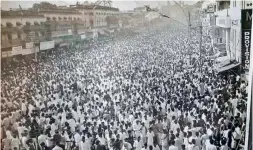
x,y
126,75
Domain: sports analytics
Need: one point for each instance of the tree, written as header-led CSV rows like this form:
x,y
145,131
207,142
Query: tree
x,y
44,5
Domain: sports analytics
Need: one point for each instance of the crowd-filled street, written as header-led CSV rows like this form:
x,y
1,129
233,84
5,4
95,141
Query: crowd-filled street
x,y
129,92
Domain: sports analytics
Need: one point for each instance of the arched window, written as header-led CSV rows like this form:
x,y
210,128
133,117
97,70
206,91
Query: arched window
x,y
8,24
28,23
19,35
36,34
59,18
42,33
36,23
54,18
18,24
9,36
48,18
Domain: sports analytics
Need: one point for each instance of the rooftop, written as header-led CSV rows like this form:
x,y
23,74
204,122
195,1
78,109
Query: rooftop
x,y
64,10
19,13
92,6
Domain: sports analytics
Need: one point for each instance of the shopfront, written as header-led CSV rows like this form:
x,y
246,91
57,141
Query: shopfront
x,y
235,32
224,22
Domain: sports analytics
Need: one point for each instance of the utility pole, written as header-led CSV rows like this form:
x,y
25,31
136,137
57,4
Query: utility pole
x,y
200,46
200,42
189,38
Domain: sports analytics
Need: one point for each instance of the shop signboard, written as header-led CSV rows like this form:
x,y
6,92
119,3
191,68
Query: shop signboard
x,y
246,37
27,51
16,50
6,54
46,45
83,36
29,45
210,8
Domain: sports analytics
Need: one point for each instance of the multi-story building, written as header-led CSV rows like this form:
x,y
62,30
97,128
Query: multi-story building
x,y
228,32
96,16
228,20
235,30
223,22
19,28
208,10
60,24
125,18
210,29
64,22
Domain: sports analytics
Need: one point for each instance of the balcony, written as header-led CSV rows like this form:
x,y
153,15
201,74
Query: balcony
x,y
224,22
10,29
61,28
11,43
61,33
34,27
83,30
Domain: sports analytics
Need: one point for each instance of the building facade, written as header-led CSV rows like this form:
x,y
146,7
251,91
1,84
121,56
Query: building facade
x,y
19,28
95,16
235,31
223,24
64,22
228,20
61,24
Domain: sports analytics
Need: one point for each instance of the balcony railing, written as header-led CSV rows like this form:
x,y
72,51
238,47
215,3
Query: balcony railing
x,y
224,22
11,43
34,27
82,30
10,29
61,33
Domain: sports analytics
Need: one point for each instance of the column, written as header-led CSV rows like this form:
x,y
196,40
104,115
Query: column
x,y
228,43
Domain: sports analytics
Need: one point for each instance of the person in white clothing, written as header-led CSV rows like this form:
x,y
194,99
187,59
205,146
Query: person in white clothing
x,y
145,147
42,138
150,136
172,146
84,145
223,144
156,147
15,143
211,146
77,138
138,144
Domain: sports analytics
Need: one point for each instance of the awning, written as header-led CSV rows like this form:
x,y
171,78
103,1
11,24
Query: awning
x,y
217,54
64,44
110,31
222,59
101,32
228,67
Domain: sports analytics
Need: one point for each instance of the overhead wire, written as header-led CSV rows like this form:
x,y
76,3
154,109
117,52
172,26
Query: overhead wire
x,y
148,9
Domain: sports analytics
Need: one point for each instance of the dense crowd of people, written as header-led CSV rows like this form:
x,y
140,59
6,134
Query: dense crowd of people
x,y
132,92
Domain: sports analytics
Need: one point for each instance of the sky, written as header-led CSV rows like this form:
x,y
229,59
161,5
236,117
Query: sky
x,y
122,5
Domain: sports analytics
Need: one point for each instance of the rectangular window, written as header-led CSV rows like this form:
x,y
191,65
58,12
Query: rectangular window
x,y
42,33
36,34
19,36
9,37
234,42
